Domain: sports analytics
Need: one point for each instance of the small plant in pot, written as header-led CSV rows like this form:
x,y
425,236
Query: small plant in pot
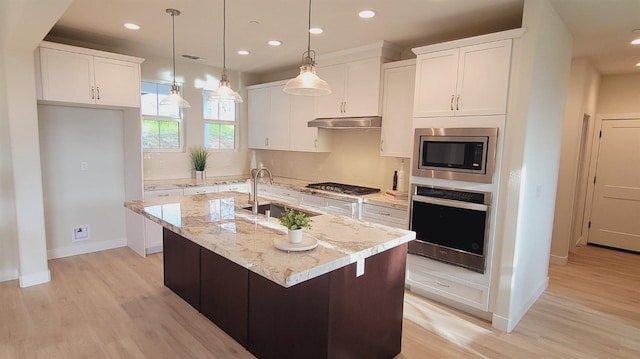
x,y
199,157
295,221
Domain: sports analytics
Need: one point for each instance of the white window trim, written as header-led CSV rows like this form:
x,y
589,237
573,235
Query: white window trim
x,y
235,123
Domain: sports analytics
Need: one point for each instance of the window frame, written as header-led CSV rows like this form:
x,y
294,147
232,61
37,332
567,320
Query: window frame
x,y
235,123
179,120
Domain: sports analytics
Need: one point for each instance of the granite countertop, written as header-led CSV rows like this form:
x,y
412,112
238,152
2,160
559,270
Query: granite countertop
x,y
216,221
289,183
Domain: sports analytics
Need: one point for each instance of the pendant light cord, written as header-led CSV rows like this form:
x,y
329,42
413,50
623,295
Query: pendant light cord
x,y
224,35
173,37
309,31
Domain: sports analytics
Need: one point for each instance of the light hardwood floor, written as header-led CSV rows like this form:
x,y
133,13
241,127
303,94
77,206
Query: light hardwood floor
x,y
113,304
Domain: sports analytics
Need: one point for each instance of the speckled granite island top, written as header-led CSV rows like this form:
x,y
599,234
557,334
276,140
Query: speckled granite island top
x,y
218,222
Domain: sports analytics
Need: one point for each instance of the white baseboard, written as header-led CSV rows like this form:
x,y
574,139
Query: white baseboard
x,y
29,280
558,260
6,275
88,247
154,249
508,324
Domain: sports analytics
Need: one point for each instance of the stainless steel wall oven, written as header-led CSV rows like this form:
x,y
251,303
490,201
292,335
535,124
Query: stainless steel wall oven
x,y
451,226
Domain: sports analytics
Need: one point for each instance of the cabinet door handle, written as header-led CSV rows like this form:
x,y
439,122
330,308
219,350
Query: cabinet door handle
x,y
315,144
98,92
452,97
345,107
458,103
93,93
266,141
442,284
381,147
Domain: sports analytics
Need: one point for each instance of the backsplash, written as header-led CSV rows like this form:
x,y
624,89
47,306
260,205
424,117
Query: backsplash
x,y
355,159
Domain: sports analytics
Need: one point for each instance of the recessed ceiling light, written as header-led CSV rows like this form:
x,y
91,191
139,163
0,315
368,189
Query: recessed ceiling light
x,y
635,41
131,26
367,14
316,30
638,64
243,52
275,42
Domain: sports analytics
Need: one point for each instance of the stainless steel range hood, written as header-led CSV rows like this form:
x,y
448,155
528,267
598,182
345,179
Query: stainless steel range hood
x,y
347,122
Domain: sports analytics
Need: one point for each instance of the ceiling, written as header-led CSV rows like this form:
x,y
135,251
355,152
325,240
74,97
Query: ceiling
x,y
601,29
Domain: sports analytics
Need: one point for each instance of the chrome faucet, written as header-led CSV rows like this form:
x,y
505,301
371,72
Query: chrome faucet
x,y
255,187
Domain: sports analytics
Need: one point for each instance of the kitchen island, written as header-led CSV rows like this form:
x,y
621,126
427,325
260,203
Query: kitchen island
x,y
343,298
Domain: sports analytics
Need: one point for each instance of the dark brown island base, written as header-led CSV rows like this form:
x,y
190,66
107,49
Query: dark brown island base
x,y
334,315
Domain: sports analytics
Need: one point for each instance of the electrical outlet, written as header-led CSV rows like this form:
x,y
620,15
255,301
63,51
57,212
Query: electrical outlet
x,y
80,233
84,166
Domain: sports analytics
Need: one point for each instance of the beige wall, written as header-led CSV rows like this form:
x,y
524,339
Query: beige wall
x,y
75,197
165,165
530,165
583,92
354,159
619,94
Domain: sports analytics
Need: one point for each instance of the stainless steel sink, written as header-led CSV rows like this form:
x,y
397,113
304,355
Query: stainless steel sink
x,y
277,209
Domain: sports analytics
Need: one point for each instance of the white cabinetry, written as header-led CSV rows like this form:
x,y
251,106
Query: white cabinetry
x,y
237,187
397,108
355,89
163,193
465,81
302,137
331,205
392,217
188,191
83,76
269,112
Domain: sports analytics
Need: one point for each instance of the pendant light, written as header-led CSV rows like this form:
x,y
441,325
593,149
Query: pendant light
x,y
224,90
174,98
308,83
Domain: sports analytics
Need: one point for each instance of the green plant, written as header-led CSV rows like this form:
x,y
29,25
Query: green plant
x,y
293,219
199,157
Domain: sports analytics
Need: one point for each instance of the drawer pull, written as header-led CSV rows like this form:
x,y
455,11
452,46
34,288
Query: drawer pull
x,y
442,284
164,195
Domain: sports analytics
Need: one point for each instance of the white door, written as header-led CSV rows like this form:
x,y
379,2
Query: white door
x,y
258,100
278,124
67,76
436,76
362,89
331,105
397,110
615,212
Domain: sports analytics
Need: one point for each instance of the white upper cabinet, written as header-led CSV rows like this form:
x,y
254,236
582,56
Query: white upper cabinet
x,y
83,76
466,81
355,89
302,137
397,108
269,113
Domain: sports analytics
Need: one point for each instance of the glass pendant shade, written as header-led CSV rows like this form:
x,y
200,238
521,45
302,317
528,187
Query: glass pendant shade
x,y
224,90
174,99
308,83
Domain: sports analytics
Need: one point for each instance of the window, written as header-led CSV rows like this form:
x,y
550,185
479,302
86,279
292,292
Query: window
x,y
161,124
220,125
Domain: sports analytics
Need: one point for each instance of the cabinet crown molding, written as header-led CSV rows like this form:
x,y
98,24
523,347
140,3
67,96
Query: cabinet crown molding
x,y
496,36
384,49
83,50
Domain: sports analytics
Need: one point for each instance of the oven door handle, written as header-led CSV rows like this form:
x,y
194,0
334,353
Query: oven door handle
x,y
450,203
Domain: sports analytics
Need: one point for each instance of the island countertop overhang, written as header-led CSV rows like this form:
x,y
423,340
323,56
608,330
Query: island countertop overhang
x,y
218,222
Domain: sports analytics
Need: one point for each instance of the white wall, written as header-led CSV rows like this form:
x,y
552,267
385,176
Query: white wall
x,y
75,197
619,94
532,155
24,24
164,165
354,159
583,92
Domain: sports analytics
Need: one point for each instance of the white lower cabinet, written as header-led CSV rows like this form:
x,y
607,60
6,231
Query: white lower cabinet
x,y
200,190
163,193
331,205
420,276
237,187
391,217
152,236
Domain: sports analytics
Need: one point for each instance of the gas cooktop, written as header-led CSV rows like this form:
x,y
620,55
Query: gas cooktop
x,y
343,188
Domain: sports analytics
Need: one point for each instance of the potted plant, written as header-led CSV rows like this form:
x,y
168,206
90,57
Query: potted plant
x,y
199,157
295,221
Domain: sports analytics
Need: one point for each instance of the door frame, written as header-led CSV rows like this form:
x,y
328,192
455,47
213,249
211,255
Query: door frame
x,y
593,165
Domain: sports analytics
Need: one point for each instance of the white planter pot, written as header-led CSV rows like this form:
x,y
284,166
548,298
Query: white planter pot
x,y
295,235
200,176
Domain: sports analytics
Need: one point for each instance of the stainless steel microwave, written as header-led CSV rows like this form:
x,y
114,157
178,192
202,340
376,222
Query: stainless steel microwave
x,y
462,154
